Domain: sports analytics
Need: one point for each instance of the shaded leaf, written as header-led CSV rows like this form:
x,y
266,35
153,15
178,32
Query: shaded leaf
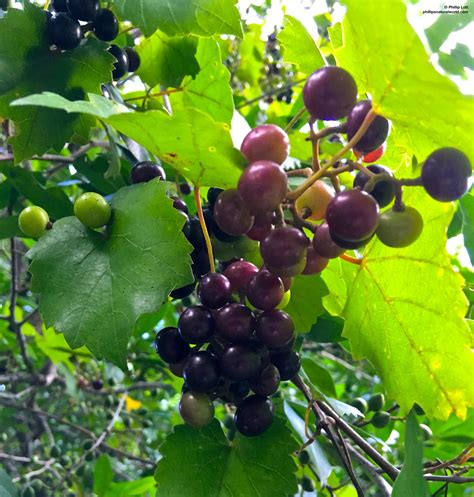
x,y
103,475
319,377
9,227
7,488
466,205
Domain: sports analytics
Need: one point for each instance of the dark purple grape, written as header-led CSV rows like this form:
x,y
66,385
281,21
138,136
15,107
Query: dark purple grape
x,y
196,324
201,265
201,371
289,271
64,31
193,232
445,174
265,290
97,385
214,290
266,142
287,363
196,409
263,186
383,191
267,382
324,245
375,135
106,25
239,273
349,244
254,416
170,346
352,215
180,205
231,214
134,60
177,369
185,188
235,323
240,363
275,329
314,262
214,229
330,93
284,247
146,170
262,226
212,195
59,5
121,64
83,10
237,391
287,282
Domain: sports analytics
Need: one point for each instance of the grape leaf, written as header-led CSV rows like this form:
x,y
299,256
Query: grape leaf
x,y
397,73
404,312
410,481
192,143
7,489
166,60
466,205
9,227
300,47
306,304
260,466
319,377
28,66
93,287
182,17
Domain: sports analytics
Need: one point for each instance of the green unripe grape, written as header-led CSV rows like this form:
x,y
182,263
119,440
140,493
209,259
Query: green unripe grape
x,y
87,445
65,461
427,433
285,300
307,484
303,457
28,492
92,210
37,485
55,451
80,470
376,402
196,409
33,221
361,404
89,457
399,228
380,419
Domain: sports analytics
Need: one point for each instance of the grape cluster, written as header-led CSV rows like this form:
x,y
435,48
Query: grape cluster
x,y
70,20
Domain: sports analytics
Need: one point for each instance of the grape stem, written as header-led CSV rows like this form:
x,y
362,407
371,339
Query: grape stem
x,y
319,174
295,119
315,145
153,95
210,253
352,260
330,130
307,172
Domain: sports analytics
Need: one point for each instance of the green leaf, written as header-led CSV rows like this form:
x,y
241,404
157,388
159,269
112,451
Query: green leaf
x,y
192,143
405,311
457,61
143,487
103,475
93,287
260,466
410,481
328,329
28,66
7,489
403,73
182,17
9,227
466,205
95,171
306,304
300,47
167,60
440,30
319,377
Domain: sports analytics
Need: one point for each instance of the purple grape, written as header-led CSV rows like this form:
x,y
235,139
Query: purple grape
x,y
275,329
214,290
235,323
196,325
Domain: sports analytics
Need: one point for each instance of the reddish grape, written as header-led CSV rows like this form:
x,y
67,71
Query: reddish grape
x,y
263,186
196,324
240,363
275,329
235,322
330,93
324,245
375,135
201,371
383,191
371,156
352,216
265,290
254,416
214,290
170,346
262,226
284,247
239,273
231,214
314,262
266,142
267,382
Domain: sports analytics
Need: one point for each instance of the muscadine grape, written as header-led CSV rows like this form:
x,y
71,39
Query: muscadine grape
x,y
170,346
235,322
376,133
352,216
231,213
262,226
285,300
349,244
370,157
383,191
106,25
92,210
239,363
289,271
361,404
64,31
134,60
263,186
254,416
312,204
239,273
59,5
266,142
33,221
287,363
201,371
121,62
146,170
445,174
196,324
265,290
376,402
284,247
314,262
193,232
196,409
275,329
381,419
214,229
212,195
330,93
180,205
214,290
287,282
399,228
324,245
83,10
236,392
201,264
267,382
